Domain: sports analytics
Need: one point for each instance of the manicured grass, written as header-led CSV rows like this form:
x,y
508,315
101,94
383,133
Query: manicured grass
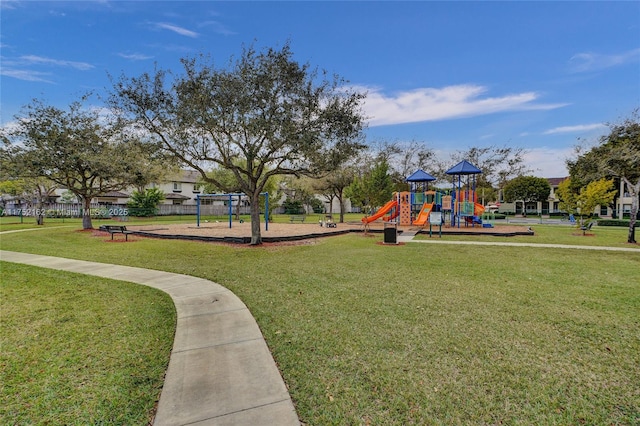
x,y
80,350
418,333
8,223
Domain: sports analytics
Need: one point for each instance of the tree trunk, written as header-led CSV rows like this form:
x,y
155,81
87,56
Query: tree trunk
x,y
341,202
237,209
86,213
256,238
39,212
634,191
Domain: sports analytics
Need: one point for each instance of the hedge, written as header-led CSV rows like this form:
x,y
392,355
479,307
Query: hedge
x,y
616,222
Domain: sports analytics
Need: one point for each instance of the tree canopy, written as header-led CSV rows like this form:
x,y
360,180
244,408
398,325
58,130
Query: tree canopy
x,y
597,193
498,164
527,189
79,149
333,186
373,188
261,116
617,155
568,196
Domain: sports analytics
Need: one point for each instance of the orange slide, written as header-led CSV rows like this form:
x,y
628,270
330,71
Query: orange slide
x,y
423,216
393,215
478,209
383,210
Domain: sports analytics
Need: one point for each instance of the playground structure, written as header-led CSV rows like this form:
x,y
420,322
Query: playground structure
x,y
464,201
421,206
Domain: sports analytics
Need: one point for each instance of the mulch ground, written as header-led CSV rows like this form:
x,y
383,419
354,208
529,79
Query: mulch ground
x,y
301,232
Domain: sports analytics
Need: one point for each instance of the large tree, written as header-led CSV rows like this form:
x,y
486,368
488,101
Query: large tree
x,y
527,189
616,155
597,193
373,188
79,149
404,158
226,182
499,165
35,191
568,194
333,186
263,115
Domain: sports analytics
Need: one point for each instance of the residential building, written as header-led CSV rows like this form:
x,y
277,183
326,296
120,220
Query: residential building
x,y
552,205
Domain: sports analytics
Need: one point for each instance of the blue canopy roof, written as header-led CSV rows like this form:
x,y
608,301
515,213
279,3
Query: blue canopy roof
x,y
464,168
420,176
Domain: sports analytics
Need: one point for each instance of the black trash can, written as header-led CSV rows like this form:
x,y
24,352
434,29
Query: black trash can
x,y
390,233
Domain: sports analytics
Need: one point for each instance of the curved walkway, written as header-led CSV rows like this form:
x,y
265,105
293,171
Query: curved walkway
x,y
221,371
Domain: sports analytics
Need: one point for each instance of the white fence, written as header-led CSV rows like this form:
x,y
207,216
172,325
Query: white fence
x,y
117,210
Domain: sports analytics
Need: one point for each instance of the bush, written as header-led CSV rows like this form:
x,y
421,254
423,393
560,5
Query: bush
x,y
628,215
616,222
292,207
144,204
316,205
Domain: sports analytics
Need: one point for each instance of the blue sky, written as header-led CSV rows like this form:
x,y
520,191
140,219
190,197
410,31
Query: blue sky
x,y
537,75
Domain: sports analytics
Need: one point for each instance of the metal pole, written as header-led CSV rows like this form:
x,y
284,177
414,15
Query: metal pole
x,y
198,210
266,211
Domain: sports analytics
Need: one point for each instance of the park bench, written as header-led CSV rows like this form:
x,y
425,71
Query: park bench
x,y
586,228
116,229
294,218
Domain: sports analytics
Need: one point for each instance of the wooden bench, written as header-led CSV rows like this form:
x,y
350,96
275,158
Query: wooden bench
x,y
116,229
299,218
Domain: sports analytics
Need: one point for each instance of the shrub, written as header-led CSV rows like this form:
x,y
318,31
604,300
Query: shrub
x,y
292,207
145,203
316,205
616,222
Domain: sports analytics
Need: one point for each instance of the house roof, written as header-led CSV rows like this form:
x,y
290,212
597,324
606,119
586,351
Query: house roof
x,y
556,180
172,196
114,194
464,168
420,176
185,176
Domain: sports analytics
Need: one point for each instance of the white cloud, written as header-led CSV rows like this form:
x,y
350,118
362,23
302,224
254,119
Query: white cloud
x,y
588,61
545,162
177,29
17,68
217,27
34,59
135,56
26,75
575,129
433,104
548,162
9,4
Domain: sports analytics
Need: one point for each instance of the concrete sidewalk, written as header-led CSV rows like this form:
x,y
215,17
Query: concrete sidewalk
x,y
507,244
221,371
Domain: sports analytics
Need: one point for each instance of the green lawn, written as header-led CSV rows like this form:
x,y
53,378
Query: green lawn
x,y
79,349
419,333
